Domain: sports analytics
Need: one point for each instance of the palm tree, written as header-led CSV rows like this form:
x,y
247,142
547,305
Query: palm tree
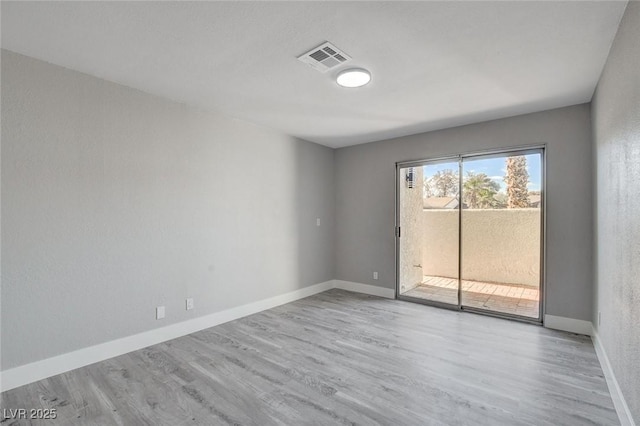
x,y
517,179
479,191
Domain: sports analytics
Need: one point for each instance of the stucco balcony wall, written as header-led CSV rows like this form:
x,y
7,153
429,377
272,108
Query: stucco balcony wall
x,y
498,245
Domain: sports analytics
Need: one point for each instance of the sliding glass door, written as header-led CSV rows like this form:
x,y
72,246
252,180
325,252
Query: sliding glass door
x,y
428,197
501,230
469,232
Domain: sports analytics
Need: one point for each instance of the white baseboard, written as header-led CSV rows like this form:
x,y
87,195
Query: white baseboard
x,y
39,370
568,324
614,388
373,290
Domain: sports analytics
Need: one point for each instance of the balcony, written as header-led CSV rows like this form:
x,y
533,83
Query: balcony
x,y
500,258
515,299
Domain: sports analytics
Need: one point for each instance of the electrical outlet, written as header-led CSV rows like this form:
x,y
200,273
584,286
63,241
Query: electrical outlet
x,y
318,222
189,304
375,275
599,317
160,312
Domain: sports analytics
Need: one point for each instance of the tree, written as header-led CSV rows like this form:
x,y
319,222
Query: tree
x,y
501,200
444,183
479,191
517,179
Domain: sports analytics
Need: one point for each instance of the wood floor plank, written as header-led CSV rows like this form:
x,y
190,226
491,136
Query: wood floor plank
x,y
339,358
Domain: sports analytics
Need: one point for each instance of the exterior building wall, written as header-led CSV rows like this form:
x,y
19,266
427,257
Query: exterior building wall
x,y
411,223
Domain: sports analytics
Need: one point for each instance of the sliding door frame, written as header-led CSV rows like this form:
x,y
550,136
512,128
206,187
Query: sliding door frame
x,y
520,150
420,163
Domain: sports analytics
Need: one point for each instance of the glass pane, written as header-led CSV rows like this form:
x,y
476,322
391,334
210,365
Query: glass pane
x,y
428,197
501,233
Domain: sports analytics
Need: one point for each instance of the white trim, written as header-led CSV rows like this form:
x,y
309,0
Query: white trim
x,y
373,290
568,324
624,414
39,370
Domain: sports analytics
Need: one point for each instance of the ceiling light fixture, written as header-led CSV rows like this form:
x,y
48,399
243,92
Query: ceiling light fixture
x,y
353,77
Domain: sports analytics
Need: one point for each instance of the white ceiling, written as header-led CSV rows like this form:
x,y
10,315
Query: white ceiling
x,y
433,64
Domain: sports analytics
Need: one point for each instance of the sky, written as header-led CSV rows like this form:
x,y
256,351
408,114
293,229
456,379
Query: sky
x,y
495,168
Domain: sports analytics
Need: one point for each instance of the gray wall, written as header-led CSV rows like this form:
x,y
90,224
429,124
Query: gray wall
x,y
616,135
115,201
365,200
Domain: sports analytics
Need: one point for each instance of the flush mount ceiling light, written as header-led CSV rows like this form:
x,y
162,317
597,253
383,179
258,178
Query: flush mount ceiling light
x,y
353,77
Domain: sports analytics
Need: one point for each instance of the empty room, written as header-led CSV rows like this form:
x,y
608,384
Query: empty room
x,y
320,212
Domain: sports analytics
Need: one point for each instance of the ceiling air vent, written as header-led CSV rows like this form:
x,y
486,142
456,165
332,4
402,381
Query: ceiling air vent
x,y
324,57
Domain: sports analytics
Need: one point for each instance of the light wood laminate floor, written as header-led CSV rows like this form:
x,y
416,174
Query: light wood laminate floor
x,y
340,358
